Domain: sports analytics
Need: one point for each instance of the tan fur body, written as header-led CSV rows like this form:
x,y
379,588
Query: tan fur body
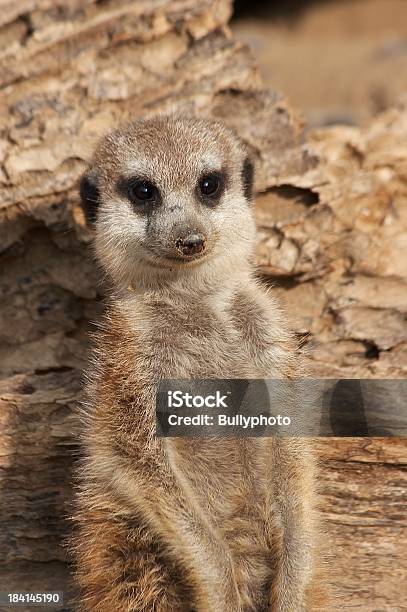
x,y
197,525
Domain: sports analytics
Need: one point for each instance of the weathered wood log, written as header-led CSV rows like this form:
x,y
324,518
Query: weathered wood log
x,y
332,220
333,238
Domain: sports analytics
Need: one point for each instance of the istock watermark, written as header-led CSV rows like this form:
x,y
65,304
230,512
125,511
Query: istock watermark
x,y
178,399
303,407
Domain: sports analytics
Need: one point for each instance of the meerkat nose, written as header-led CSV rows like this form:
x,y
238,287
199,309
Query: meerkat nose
x,y
192,244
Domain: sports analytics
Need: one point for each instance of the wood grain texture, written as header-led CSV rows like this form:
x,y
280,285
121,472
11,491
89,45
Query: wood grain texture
x,y
332,221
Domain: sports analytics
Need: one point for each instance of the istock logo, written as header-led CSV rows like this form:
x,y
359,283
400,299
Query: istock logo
x,y
178,399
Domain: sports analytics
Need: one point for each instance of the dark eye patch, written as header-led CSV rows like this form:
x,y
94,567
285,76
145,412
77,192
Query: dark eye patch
x,y
140,191
90,197
211,186
248,178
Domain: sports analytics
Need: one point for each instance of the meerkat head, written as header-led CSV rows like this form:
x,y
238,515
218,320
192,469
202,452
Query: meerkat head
x,y
170,198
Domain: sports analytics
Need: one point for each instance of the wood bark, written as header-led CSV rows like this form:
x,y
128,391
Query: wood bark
x,y
332,217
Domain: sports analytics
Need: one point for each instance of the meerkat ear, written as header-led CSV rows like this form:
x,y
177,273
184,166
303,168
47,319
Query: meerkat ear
x,y
90,196
248,178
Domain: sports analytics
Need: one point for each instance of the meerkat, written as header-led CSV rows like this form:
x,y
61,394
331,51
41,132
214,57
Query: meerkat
x,y
172,524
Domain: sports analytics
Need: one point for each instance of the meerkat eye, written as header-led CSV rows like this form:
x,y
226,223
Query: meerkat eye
x,y
209,184
141,191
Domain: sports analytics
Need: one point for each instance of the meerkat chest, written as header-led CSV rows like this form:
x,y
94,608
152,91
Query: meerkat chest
x,y
198,343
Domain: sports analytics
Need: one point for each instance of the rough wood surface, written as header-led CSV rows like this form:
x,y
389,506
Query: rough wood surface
x,y
332,225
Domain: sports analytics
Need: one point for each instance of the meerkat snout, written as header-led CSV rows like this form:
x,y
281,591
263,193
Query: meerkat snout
x,y
194,243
